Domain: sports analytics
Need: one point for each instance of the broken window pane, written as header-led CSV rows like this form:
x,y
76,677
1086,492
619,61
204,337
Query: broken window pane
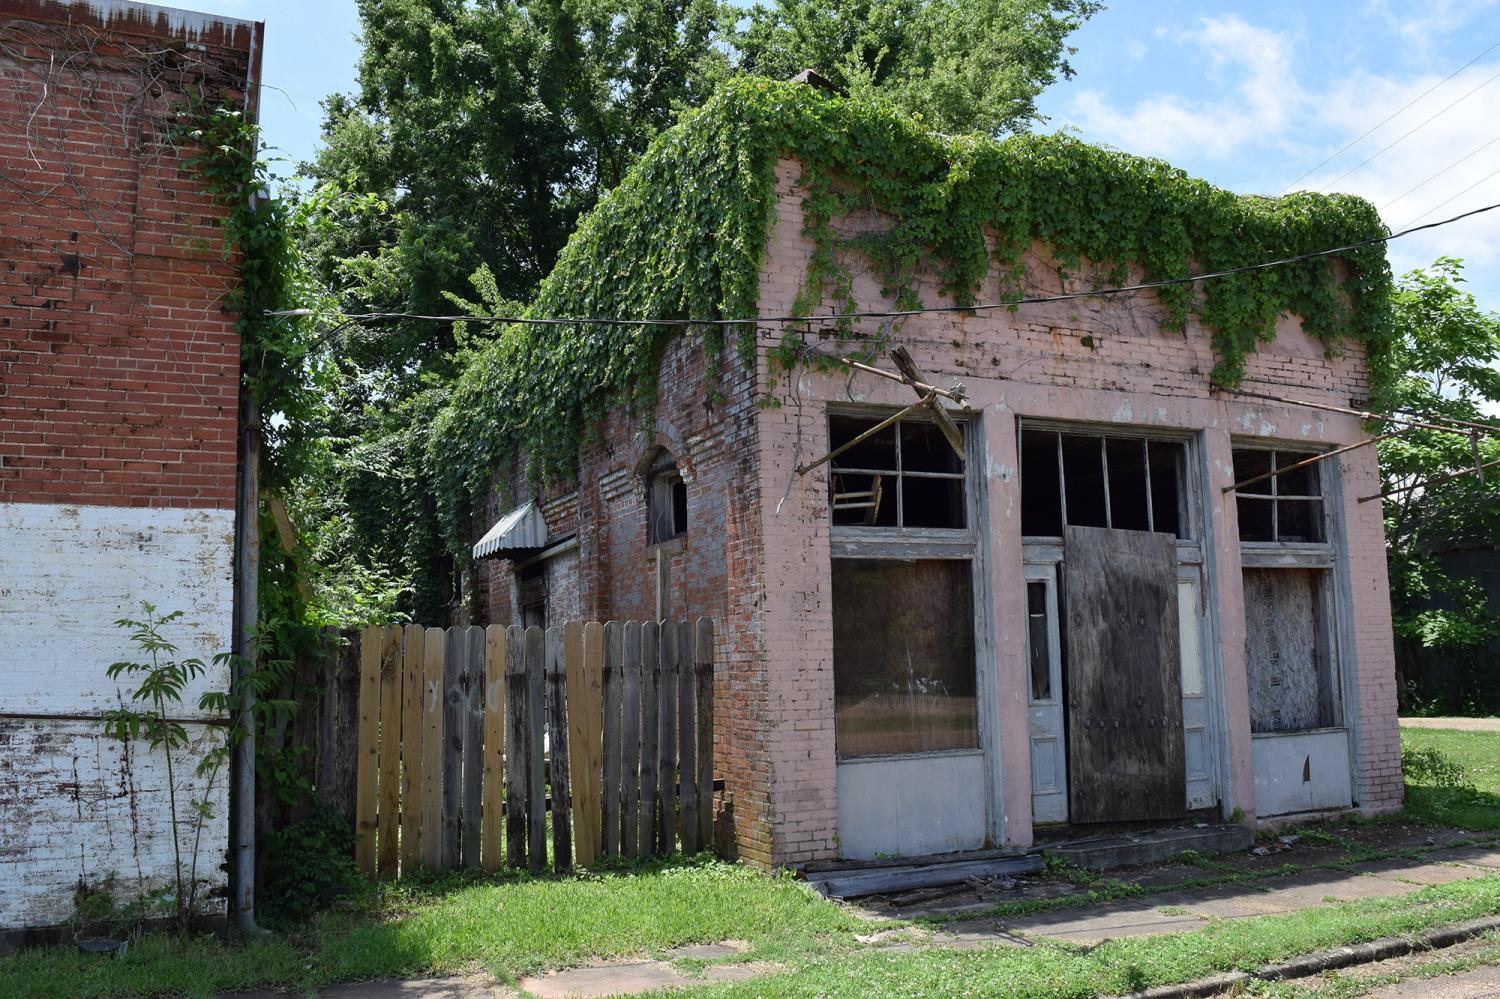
x,y
1083,478
1168,460
1127,483
877,453
864,500
932,502
925,449
1294,520
666,501
1292,684
1299,482
1041,498
903,656
1249,463
1038,641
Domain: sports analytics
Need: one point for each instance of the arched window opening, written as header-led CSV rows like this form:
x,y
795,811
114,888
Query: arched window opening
x,y
666,499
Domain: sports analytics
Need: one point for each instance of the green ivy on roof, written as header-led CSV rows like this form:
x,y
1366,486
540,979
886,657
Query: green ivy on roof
x,y
683,236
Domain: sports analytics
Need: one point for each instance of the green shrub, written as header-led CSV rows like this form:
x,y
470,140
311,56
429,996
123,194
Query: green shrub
x,y
1432,767
308,863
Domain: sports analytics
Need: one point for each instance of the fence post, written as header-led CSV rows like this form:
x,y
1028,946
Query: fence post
x,y
666,767
650,673
472,682
703,662
369,749
557,731
517,756
494,746
630,738
536,728
338,715
584,648
687,754
389,808
433,703
412,664
609,738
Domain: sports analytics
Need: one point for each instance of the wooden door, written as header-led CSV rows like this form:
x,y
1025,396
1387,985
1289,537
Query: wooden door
x,y
1125,755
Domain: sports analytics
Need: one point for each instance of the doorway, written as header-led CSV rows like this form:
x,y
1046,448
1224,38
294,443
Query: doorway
x,y
1120,729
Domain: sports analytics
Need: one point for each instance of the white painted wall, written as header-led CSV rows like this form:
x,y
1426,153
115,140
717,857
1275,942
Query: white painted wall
x,y
73,804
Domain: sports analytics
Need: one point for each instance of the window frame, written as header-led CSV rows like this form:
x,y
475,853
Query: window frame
x,y
944,542
1320,556
1276,498
854,541
664,469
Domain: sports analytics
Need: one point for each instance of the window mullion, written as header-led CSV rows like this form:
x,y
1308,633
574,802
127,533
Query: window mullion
x,y
900,492
1146,466
1109,521
1062,484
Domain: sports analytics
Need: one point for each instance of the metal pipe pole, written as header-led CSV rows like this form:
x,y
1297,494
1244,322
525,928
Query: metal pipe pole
x,y
1324,456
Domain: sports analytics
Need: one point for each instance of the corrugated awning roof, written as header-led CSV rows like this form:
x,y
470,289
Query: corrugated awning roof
x,y
520,529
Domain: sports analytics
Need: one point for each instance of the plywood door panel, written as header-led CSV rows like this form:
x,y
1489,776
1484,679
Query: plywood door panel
x,y
1125,751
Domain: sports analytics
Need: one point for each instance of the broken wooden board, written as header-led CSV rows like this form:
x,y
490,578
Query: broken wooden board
x,y
881,880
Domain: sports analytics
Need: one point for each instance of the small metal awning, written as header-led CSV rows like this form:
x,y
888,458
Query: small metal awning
x,y
521,529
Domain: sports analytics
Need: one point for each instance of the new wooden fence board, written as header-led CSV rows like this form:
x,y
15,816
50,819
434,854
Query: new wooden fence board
x,y
666,767
517,758
703,662
612,679
536,726
494,746
389,807
433,651
650,708
630,738
557,735
412,663
473,688
687,735
454,651
369,749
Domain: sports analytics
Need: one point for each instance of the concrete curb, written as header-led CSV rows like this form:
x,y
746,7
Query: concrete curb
x,y
1328,960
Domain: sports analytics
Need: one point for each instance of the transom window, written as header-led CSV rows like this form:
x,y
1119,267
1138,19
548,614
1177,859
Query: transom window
x,y
1285,507
1100,480
666,500
905,475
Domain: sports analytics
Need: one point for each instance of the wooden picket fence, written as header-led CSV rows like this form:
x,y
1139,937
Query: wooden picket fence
x,y
476,746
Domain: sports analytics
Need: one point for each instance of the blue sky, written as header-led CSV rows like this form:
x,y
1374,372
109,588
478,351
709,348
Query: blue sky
x,y
1251,96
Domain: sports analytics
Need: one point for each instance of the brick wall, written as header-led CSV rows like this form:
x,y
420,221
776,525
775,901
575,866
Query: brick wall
x,y
119,375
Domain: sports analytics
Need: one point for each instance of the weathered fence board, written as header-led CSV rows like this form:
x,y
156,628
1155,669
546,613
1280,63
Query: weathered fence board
x,y
387,821
494,745
412,662
369,749
536,742
482,747
557,730
434,644
473,687
517,753
630,740
666,746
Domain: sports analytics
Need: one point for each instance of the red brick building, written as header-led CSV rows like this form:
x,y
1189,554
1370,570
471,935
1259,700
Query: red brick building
x,y
906,663
119,386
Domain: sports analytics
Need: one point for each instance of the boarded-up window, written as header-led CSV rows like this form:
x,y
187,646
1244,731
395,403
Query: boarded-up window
x,y
903,656
1095,480
1292,683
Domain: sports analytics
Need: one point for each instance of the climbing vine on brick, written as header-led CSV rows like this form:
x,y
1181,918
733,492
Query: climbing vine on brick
x,y
684,234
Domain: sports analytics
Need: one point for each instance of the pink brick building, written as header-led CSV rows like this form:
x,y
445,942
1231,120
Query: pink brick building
x,y
1075,622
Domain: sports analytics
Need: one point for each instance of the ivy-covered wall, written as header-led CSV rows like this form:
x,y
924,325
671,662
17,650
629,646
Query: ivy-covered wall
x,y
684,235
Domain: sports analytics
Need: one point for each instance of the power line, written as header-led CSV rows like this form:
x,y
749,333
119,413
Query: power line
x,y
1429,180
1365,134
904,313
1407,134
1460,194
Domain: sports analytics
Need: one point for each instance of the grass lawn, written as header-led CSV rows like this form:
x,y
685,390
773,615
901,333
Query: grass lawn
x,y
1436,795
513,926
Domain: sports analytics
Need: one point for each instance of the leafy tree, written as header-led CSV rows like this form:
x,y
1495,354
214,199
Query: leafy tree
x,y
963,65
1442,364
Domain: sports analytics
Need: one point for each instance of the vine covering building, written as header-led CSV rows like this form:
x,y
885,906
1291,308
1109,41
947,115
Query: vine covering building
x,y
119,383
1072,617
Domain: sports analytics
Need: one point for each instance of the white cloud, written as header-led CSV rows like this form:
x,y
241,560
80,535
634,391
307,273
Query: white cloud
x,y
1260,105
1420,26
